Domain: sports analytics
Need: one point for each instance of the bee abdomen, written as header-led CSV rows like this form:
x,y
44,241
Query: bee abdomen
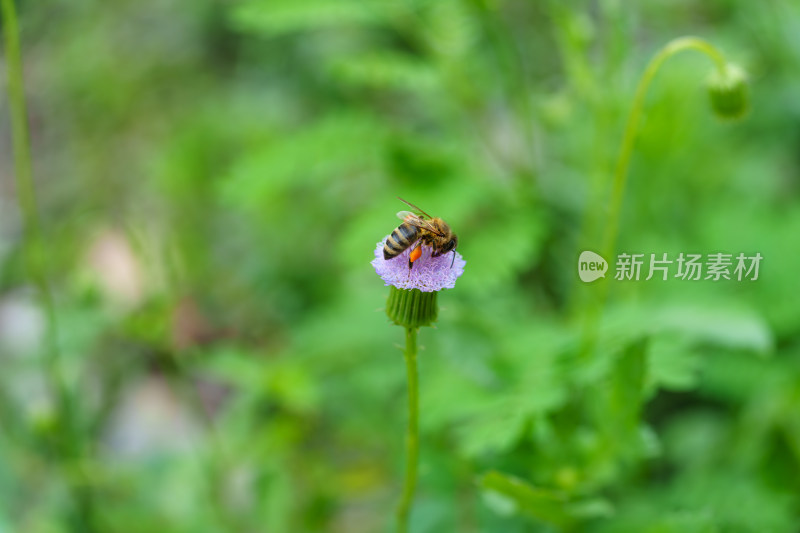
x,y
401,238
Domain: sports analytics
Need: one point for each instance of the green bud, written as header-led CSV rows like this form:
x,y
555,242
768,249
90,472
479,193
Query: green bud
x,y
411,308
728,91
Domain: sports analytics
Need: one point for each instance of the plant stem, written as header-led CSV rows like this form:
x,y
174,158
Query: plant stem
x,y
26,194
611,230
412,437
66,442
626,148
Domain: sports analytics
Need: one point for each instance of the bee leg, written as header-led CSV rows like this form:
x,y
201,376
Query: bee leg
x,y
414,255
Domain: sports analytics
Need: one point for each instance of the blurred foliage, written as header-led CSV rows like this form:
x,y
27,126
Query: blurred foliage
x,y
213,177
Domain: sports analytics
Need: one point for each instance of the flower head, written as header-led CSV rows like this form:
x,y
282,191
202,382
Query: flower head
x,y
429,273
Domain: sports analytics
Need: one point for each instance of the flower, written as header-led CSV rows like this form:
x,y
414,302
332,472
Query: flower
x,y
428,275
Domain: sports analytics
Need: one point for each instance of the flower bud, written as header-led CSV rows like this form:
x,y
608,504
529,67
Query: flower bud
x,y
728,91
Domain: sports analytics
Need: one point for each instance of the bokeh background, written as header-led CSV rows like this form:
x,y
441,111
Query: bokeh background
x,y
212,179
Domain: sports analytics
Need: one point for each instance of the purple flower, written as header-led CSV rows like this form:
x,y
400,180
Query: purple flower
x,y
429,273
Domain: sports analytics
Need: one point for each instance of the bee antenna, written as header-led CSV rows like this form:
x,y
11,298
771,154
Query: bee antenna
x,y
454,258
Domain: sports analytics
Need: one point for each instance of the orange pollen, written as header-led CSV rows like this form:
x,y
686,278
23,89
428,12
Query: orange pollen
x,y
415,253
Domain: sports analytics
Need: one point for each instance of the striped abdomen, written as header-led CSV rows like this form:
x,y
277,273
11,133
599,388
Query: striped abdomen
x,y
401,238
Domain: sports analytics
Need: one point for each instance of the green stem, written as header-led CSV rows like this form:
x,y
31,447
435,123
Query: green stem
x,y
26,194
626,149
611,230
412,437
67,444
19,120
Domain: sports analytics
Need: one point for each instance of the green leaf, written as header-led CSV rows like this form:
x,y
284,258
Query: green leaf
x,y
508,495
492,258
450,28
718,324
619,410
385,69
511,495
627,384
673,363
493,432
335,145
276,17
726,328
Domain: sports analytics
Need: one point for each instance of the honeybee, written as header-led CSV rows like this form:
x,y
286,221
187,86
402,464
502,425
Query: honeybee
x,y
420,228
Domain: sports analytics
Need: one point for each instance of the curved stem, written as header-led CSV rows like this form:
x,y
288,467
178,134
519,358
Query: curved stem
x,y
611,229
626,148
412,436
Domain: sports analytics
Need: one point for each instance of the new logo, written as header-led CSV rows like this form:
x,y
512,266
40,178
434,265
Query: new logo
x,y
591,266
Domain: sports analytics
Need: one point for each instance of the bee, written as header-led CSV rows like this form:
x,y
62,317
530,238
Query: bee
x,y
420,228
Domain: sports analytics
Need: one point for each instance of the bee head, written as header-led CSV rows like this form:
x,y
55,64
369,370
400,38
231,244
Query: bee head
x,y
451,244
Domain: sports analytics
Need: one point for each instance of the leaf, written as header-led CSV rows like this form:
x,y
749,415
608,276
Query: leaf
x,y
621,401
502,246
450,28
385,69
333,146
275,17
627,384
536,387
512,495
716,324
509,495
284,380
492,433
673,363
591,508
727,328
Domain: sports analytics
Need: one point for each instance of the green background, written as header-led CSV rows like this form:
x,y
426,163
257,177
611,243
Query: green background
x,y
212,180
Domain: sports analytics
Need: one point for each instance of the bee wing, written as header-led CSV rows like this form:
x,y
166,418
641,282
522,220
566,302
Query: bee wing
x,y
418,211
414,220
402,215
